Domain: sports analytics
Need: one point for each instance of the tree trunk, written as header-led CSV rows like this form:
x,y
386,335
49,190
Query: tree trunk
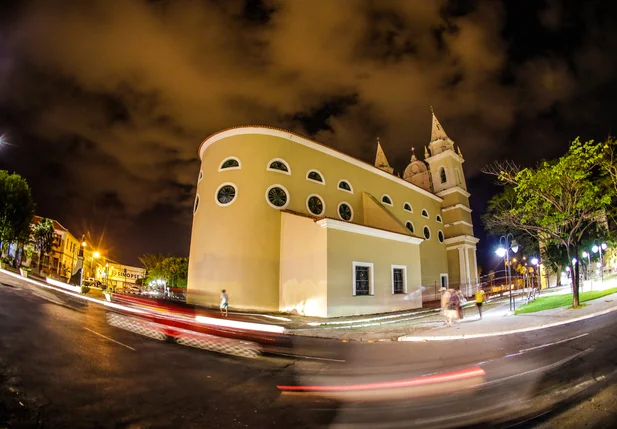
x,y
40,260
558,275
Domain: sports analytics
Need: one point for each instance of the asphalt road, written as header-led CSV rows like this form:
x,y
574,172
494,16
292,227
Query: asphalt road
x,y
62,365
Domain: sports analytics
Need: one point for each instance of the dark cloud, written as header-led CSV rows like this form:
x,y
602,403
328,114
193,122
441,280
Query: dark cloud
x,y
106,102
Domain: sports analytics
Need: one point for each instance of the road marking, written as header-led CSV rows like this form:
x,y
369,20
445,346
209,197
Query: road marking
x,y
110,339
520,352
307,357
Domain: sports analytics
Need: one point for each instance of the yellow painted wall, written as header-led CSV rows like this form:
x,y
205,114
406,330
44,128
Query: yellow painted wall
x,y
304,266
346,247
454,267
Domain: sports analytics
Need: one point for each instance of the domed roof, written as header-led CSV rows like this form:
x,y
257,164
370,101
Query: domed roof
x,y
415,167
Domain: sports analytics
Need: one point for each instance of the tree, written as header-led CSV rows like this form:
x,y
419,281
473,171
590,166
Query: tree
x,y
173,270
43,236
556,202
16,208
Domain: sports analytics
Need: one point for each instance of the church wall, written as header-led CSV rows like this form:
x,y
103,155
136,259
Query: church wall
x,y
454,198
454,267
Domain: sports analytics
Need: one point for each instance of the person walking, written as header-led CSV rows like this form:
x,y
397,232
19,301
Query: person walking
x,y
461,302
445,300
224,303
453,307
479,300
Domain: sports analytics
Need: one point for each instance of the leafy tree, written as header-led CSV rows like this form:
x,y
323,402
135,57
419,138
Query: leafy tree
x,y
43,236
173,270
556,202
16,208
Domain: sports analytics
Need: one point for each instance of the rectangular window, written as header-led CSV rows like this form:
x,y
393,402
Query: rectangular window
x,y
399,279
444,280
363,278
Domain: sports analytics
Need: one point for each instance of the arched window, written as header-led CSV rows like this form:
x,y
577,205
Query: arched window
x,y
344,185
407,207
442,175
277,196
409,226
226,194
315,176
231,163
279,165
345,212
440,236
201,176
427,233
386,199
196,204
315,205
438,218
424,213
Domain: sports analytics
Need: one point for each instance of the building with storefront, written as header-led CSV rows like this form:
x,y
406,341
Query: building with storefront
x,y
284,223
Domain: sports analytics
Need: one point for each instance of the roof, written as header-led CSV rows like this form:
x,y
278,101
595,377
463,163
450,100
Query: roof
x,y
437,132
57,225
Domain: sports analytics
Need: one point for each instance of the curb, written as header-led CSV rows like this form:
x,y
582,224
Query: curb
x,y
510,332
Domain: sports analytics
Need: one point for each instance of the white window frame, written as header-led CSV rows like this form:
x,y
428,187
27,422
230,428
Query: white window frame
x,y
323,182
339,214
196,203
439,219
323,202
391,203
404,268
371,267
410,206
441,276
444,236
288,172
216,193
344,190
277,185
425,211
200,177
430,234
230,168
414,227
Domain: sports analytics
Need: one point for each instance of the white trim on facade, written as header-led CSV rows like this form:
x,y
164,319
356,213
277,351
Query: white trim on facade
x,y
196,204
422,213
404,268
371,270
456,206
338,207
323,203
391,203
231,168
323,180
286,192
288,172
462,239
444,154
344,190
458,222
216,194
313,145
410,207
200,177
367,230
452,191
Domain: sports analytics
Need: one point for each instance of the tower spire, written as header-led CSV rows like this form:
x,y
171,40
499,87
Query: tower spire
x,y
437,132
381,161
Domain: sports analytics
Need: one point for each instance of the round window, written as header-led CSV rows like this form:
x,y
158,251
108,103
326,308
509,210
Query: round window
x,y
409,226
427,233
226,194
440,236
277,197
315,205
344,211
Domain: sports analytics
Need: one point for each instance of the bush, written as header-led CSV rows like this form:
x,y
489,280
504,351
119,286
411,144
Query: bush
x,y
85,289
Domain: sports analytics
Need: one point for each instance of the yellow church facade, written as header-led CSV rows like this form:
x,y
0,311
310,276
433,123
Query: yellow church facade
x,y
286,224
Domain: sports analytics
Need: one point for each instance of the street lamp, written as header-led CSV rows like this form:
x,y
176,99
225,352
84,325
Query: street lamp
x,y
536,263
504,250
596,249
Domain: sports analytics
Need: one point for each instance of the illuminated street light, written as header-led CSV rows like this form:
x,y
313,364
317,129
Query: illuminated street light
x,y
83,244
503,250
96,255
534,261
574,261
568,269
599,249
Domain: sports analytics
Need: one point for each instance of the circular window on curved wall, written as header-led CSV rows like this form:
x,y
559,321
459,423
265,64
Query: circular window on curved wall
x,y
440,236
226,194
345,212
315,205
427,233
277,196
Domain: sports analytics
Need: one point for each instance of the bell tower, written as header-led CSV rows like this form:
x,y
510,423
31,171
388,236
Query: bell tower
x,y
446,168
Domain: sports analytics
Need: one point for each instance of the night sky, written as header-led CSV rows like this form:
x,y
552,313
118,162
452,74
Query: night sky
x,y
104,103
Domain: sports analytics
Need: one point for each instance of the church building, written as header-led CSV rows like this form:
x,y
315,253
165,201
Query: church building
x,y
286,224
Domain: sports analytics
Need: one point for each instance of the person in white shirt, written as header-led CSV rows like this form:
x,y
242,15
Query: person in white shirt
x,y
224,303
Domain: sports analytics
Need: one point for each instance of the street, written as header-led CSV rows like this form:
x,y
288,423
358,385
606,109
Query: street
x,y
62,365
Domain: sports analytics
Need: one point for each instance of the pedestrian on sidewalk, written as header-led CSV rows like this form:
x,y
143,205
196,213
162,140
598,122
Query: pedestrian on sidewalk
x,y
461,302
224,303
479,300
445,300
453,307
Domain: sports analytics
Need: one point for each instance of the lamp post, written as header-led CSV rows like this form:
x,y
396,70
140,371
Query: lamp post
x,y
596,249
504,250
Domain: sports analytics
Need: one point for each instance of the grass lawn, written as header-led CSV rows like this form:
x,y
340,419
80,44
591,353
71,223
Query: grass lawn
x,y
556,301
